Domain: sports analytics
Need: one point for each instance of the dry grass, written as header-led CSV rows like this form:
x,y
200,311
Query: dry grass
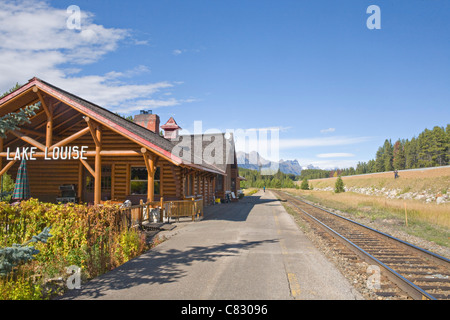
x,y
426,220
250,191
435,180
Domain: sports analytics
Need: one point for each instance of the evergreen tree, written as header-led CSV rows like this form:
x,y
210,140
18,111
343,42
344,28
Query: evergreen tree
x,y
438,146
399,156
305,184
17,86
13,120
379,160
371,166
388,151
411,154
275,183
339,185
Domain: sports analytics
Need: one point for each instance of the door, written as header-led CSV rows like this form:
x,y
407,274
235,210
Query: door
x,y
89,185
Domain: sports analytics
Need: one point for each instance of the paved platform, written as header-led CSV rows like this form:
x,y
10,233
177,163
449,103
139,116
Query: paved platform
x,y
251,249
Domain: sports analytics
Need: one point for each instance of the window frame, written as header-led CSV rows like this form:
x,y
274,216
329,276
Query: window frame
x,y
157,189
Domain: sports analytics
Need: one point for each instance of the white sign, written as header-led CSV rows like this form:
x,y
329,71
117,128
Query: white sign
x,y
57,153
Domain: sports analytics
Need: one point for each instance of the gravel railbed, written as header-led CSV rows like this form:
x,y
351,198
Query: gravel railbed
x,y
351,267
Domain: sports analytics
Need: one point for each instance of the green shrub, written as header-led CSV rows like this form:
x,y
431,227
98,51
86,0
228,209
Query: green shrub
x,y
305,184
89,237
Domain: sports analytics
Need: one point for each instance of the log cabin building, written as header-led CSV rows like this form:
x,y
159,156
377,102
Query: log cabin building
x,y
71,142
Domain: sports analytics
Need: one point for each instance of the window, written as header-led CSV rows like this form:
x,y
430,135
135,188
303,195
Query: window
x,y
105,180
139,180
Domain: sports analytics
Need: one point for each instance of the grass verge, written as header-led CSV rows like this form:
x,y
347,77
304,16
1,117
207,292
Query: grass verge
x,y
430,222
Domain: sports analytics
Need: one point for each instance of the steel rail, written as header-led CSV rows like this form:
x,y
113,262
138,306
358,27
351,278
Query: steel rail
x,y
412,289
428,254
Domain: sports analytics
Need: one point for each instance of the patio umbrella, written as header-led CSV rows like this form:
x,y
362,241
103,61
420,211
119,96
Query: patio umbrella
x,y
22,187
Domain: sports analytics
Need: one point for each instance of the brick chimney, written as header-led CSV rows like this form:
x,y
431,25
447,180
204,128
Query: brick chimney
x,y
148,120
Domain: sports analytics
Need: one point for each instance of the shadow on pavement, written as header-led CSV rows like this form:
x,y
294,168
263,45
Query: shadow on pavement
x,y
235,211
156,267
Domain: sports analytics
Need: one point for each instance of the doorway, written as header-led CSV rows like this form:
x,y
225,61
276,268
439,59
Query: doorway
x,y
89,185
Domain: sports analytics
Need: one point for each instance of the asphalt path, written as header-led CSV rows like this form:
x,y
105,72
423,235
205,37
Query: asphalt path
x,y
247,250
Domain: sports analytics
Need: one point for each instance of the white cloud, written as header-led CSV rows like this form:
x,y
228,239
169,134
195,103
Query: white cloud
x,y
320,142
329,130
35,41
280,128
177,52
155,103
328,164
335,155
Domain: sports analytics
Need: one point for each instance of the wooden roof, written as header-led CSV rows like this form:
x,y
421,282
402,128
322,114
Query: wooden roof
x,y
148,139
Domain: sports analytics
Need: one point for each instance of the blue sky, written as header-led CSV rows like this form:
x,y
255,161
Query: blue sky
x,y
335,89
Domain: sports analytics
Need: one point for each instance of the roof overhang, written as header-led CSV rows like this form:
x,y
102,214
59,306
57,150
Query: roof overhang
x,y
25,96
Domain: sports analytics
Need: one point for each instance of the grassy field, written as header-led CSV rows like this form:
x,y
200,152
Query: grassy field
x,y
434,180
428,221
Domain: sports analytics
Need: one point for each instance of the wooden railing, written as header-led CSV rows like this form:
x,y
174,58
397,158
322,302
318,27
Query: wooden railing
x,y
184,208
156,211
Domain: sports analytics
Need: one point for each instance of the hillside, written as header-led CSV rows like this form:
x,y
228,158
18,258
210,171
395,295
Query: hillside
x,y
427,184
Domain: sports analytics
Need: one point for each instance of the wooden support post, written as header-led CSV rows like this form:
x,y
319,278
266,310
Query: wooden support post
x,y
141,212
150,165
207,181
49,132
113,181
49,111
214,188
80,182
128,179
193,209
1,150
161,211
98,167
1,166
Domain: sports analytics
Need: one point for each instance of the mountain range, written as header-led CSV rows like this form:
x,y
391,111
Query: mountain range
x,y
254,161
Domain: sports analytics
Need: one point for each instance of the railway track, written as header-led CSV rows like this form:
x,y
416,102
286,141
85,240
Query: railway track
x,y
420,274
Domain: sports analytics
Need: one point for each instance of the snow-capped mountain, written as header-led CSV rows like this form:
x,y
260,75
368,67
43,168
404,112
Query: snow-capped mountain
x,y
254,161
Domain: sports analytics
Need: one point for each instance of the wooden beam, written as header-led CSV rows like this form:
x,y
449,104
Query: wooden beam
x,y
31,141
92,129
88,154
47,110
117,153
88,167
6,168
69,139
31,131
67,120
